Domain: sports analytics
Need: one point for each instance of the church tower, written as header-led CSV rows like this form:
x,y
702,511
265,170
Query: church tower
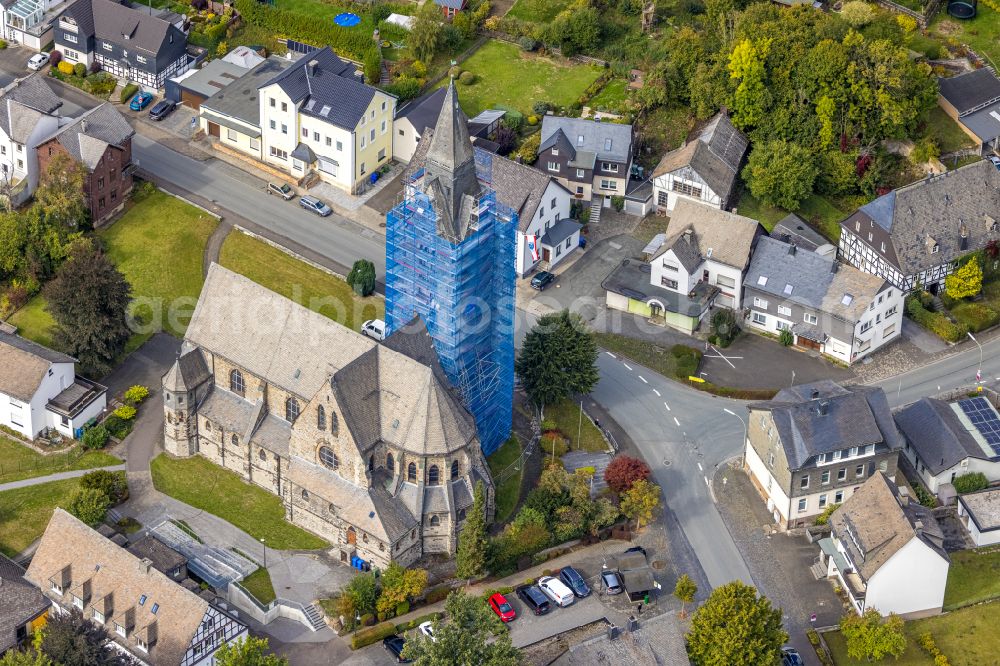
x,y
184,385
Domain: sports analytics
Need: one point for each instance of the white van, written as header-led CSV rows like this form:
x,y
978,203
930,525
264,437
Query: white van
x,y
556,590
374,328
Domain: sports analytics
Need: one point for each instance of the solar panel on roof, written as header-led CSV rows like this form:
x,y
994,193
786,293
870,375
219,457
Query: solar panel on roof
x,y
984,419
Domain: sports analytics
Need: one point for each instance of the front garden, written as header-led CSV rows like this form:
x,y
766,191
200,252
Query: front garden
x,y
94,81
24,512
19,461
969,303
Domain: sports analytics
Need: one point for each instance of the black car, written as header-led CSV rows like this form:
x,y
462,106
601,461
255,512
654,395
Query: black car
x,y
542,280
534,599
162,109
394,645
574,581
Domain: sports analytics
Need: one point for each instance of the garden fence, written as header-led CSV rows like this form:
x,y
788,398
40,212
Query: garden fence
x,y
40,467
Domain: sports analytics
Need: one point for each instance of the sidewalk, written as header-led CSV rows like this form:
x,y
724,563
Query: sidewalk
x,y
58,476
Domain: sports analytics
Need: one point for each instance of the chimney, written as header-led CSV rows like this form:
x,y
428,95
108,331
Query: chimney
x,y
148,563
83,125
815,394
791,249
918,527
823,407
835,266
313,66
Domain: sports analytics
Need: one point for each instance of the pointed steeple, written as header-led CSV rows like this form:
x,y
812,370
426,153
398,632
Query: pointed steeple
x,y
451,145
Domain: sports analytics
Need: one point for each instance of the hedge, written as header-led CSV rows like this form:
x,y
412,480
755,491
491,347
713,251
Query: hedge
x,y
127,92
934,322
366,637
970,482
735,393
416,622
436,594
975,316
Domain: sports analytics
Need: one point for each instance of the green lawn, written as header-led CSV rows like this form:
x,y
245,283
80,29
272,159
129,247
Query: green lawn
x,y
663,129
567,418
653,356
974,576
611,97
981,33
259,585
509,491
280,272
34,322
159,246
17,461
819,211
25,512
537,11
208,487
946,132
509,77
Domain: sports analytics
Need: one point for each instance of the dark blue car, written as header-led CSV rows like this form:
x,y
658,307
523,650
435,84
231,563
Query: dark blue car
x,y
574,581
140,101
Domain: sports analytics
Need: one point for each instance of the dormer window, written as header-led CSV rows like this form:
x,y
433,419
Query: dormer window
x,y
120,630
579,140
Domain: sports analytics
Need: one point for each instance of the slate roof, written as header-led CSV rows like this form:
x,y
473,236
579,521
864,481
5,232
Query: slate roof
x,y
88,137
187,372
728,236
70,546
327,88
882,521
714,154
23,103
559,232
838,418
793,229
520,188
971,90
450,4
239,99
423,112
813,282
163,557
984,508
112,21
938,436
595,136
935,210
20,601
23,365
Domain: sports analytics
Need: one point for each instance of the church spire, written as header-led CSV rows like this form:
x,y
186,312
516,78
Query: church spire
x,y
451,146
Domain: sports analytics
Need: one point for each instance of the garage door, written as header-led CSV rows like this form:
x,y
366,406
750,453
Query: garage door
x,y
191,99
213,129
724,301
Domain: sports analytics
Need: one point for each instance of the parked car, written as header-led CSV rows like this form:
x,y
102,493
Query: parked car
x,y
284,190
534,599
374,328
394,645
502,607
612,582
314,205
427,629
574,581
37,61
791,657
162,109
555,590
140,101
995,160
542,280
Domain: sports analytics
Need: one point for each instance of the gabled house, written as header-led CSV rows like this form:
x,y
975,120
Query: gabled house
x,y
591,159
829,307
163,558
945,439
30,22
915,236
980,513
450,7
23,607
29,112
101,142
972,100
412,121
704,169
887,552
147,615
39,389
813,445
129,43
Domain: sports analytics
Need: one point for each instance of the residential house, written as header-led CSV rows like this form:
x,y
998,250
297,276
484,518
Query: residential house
x,y
29,22
704,169
101,142
23,607
793,229
365,443
980,513
196,85
826,306
147,615
129,43
411,122
916,235
162,557
886,552
945,439
813,445
972,100
39,389
450,7
318,116
591,159
29,112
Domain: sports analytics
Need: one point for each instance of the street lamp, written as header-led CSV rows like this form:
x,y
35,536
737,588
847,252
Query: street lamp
x,y
979,372
746,434
357,621
264,541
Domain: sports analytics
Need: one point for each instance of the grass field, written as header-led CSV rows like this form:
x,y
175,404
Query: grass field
x,y
537,11
20,462
34,322
981,33
611,97
206,486
280,272
509,491
259,585
946,132
509,77
581,433
653,356
820,212
974,576
25,512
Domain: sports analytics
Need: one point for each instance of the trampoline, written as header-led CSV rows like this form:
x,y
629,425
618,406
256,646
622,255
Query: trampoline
x,y
347,20
962,9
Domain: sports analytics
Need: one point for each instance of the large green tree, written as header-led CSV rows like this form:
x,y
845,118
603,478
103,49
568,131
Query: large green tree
x,y
71,640
399,585
780,173
59,196
471,634
558,358
90,505
89,299
425,34
473,541
735,626
869,638
249,651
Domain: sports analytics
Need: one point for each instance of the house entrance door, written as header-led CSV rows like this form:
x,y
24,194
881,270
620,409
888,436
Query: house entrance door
x,y
352,537
546,253
806,343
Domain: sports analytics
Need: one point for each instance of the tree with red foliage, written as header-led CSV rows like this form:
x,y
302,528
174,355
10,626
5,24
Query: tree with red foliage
x,y
624,471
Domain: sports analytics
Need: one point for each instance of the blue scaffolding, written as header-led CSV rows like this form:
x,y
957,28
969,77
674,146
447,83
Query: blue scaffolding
x,y
464,292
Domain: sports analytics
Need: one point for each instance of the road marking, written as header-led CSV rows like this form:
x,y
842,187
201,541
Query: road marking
x,y
610,354
677,422
706,481
643,379
658,393
723,357
700,468
667,406
627,367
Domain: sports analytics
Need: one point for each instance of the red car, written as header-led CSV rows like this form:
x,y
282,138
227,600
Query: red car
x,y
502,607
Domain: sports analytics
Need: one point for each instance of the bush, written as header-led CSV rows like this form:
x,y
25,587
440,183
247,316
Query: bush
x,y
404,87
935,322
80,69
455,72
527,43
125,412
924,496
95,438
824,518
540,108
402,608
112,484
417,621
362,277
436,594
975,316
618,202
90,506
117,427
3,44
467,78
785,337
623,471
366,637
724,326
55,58
527,152
688,360
554,444
373,67
970,482
127,93
65,67
136,394
532,120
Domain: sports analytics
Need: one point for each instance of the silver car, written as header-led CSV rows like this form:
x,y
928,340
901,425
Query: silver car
x,y
313,204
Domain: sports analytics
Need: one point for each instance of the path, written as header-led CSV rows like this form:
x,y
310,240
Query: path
x,y
58,476
214,245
